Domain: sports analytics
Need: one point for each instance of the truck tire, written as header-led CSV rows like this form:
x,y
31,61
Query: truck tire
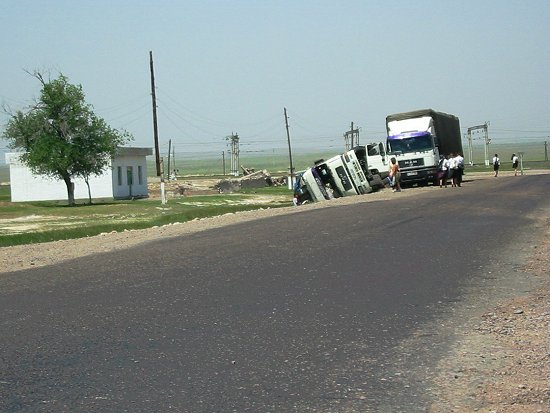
x,y
376,182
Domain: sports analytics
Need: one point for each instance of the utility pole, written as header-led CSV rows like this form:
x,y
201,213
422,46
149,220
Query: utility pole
x,y
546,151
291,180
155,125
155,130
169,153
223,162
487,142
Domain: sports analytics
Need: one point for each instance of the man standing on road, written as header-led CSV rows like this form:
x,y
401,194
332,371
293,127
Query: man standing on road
x,y
459,171
496,164
515,162
452,168
442,170
394,176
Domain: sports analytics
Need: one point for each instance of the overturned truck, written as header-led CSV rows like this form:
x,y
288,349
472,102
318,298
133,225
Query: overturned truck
x,y
355,172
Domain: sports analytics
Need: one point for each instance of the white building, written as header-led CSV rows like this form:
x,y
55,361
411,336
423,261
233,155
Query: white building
x,y
126,178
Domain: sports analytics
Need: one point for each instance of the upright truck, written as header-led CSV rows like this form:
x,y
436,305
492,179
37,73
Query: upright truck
x,y
418,138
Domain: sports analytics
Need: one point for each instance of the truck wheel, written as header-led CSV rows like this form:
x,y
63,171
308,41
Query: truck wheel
x,y
376,182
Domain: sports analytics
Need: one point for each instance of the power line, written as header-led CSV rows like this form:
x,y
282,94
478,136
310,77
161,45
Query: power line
x,y
521,131
142,109
214,122
207,132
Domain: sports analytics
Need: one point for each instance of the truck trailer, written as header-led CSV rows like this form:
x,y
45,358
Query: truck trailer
x,y
418,138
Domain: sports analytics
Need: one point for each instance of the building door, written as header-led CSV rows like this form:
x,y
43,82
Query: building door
x,y
130,179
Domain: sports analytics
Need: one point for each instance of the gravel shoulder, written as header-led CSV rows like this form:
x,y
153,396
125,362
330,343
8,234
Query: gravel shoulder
x,y
499,356
498,361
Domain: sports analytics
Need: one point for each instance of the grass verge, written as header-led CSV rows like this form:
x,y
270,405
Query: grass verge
x,y
36,222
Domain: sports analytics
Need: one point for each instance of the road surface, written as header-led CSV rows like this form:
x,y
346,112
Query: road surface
x,y
333,309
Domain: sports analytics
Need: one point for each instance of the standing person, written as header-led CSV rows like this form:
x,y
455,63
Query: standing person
x,y
496,164
459,169
395,175
452,168
442,171
515,162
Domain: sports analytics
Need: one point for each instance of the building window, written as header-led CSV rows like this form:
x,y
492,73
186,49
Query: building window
x,y
140,175
119,175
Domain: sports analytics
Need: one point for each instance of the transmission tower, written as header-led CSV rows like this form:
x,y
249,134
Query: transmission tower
x,y
234,151
485,129
351,138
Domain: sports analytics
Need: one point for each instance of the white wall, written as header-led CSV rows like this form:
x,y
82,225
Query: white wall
x,y
26,186
122,166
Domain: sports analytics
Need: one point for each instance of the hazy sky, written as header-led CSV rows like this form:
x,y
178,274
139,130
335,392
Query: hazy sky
x,y
232,65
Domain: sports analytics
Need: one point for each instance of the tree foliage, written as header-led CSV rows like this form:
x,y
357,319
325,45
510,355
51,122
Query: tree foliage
x,y
61,137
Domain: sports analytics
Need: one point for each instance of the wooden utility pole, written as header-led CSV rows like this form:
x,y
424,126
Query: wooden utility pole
x,y
169,153
155,124
155,129
291,184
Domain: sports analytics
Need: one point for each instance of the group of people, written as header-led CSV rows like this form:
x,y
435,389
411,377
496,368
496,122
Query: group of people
x,y
450,167
496,164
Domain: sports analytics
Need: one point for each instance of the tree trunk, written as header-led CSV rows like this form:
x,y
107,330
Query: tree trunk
x,y
86,179
70,190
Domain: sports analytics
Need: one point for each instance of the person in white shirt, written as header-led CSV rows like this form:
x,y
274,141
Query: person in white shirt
x,y
459,171
452,168
443,171
496,164
515,162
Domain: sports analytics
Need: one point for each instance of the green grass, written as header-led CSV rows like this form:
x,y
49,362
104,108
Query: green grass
x,y
532,151
4,193
35,222
4,173
507,166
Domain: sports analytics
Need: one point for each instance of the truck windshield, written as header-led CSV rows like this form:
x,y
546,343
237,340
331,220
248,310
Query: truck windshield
x,y
410,142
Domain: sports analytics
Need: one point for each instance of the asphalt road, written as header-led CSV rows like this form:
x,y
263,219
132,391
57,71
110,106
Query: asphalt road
x,y
298,313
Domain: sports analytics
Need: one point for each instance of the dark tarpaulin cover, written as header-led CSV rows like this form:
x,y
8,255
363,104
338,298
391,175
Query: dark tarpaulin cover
x,y
447,128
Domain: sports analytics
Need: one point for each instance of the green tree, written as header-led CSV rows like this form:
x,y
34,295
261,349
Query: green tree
x,y
61,137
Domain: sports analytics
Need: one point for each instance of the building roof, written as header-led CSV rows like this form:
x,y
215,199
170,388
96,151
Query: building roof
x,y
132,151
